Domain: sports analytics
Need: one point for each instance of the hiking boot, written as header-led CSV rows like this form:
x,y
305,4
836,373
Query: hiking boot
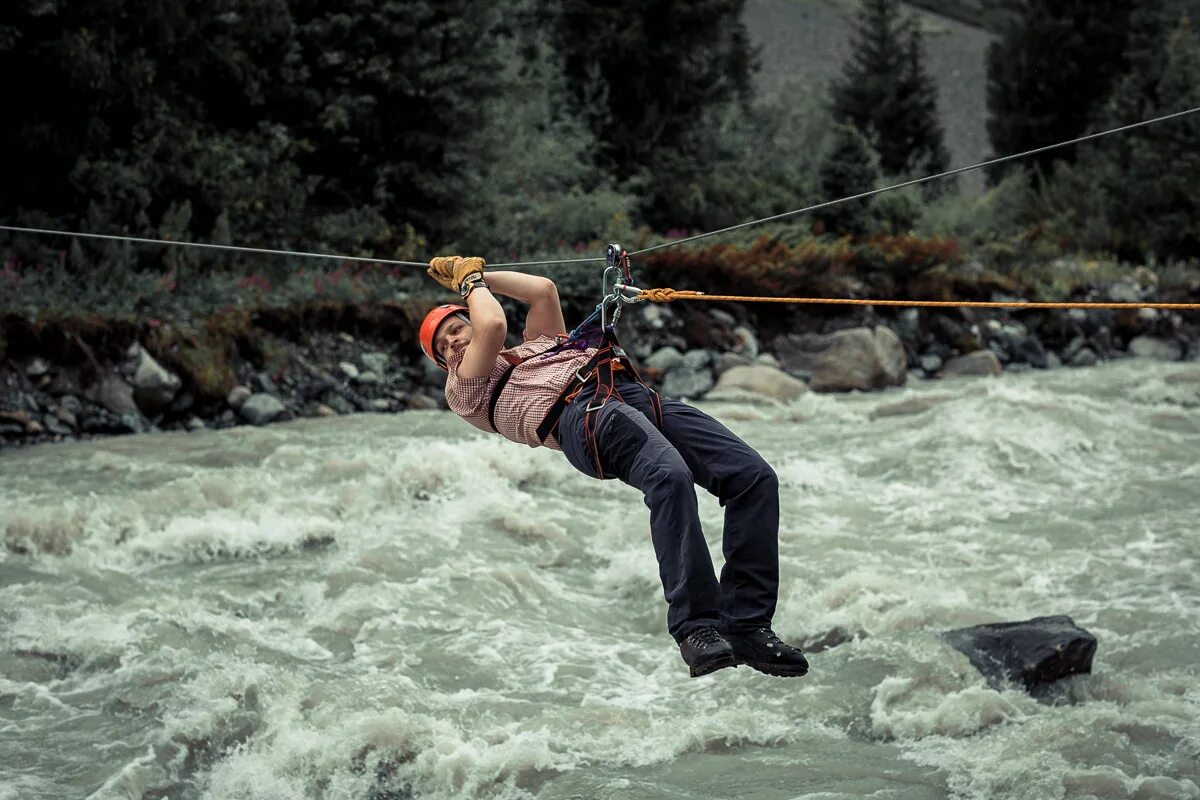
x,y
705,651
761,649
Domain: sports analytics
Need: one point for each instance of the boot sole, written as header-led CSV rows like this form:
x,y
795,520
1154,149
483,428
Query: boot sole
x,y
778,670
721,662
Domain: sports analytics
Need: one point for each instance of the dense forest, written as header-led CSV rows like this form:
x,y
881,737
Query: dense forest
x,y
529,128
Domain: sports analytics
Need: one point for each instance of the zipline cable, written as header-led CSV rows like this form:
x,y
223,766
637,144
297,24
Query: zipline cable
x,y
652,248
871,193
235,248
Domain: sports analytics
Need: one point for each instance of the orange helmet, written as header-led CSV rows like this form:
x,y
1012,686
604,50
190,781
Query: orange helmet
x,y
429,328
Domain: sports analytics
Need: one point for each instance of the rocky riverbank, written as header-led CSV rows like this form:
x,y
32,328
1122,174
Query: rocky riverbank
x,y
57,385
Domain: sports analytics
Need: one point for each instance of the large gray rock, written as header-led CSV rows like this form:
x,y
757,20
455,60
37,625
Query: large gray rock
x,y
664,359
237,397
859,358
154,387
1033,653
981,362
755,383
260,409
114,394
1153,347
691,377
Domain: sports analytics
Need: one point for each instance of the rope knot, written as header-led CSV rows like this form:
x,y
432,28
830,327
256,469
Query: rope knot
x,y
665,295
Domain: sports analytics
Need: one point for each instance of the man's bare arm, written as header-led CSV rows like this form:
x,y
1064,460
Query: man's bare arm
x,y
488,329
545,316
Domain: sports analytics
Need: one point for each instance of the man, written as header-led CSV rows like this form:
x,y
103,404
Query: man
x,y
590,404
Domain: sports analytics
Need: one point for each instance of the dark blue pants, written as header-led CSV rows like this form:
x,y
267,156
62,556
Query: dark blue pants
x,y
692,448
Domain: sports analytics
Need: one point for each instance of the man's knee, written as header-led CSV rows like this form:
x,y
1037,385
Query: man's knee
x,y
754,476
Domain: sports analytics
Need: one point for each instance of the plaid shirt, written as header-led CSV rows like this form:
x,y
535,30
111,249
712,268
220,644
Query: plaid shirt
x,y
532,389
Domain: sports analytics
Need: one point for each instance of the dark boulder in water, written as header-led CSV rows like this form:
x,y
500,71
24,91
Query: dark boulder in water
x,y
1034,653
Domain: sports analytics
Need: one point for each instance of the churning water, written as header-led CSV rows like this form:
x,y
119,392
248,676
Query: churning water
x,y
395,606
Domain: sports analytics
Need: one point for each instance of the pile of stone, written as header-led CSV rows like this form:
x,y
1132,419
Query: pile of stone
x,y
694,353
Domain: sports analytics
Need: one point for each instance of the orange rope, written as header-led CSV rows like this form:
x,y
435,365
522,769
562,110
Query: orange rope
x,y
669,295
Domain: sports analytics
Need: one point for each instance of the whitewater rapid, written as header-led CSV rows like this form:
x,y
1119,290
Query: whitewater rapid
x,y
392,606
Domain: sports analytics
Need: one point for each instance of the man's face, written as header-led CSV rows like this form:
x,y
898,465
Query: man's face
x,y
452,338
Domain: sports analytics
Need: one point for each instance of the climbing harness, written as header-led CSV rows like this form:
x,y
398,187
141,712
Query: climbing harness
x,y
609,360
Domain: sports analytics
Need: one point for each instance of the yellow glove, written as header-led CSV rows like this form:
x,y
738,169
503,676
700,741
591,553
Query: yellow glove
x,y
451,271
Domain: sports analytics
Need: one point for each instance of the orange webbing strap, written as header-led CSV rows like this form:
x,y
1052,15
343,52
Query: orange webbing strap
x,y
669,295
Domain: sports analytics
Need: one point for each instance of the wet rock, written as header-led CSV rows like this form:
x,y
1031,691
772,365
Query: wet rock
x,y
857,358
368,378
930,363
70,403
755,383
727,361
37,368
908,326
338,403
375,362
1085,357
265,384
323,410
1033,653
57,426
381,404
1028,350
1001,352
691,377
196,424
722,317
237,397
1153,347
66,417
104,422
114,394
154,387
745,343
981,362
665,359
261,408
348,369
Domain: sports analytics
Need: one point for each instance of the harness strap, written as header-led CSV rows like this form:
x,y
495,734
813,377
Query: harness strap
x,y
502,381
609,359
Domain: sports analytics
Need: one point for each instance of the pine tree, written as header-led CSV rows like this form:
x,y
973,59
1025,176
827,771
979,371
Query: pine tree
x,y
645,75
1148,177
887,94
850,167
1049,73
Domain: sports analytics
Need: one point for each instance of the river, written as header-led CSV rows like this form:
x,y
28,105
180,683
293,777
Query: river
x,y
394,606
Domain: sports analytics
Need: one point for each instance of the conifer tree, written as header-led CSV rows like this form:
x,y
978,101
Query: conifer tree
x,y
1147,177
1049,73
646,75
887,94
850,166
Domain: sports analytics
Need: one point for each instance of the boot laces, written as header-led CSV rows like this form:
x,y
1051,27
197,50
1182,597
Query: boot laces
x,y
703,637
773,638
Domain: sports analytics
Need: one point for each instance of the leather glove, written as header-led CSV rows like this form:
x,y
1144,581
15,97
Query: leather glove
x,y
452,271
